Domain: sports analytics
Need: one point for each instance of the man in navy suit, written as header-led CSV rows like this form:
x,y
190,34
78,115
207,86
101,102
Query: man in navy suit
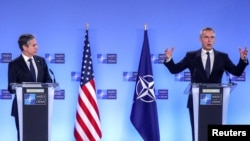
x,y
19,70
195,61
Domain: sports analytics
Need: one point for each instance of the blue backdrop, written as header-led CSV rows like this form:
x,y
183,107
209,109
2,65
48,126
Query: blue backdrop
x,y
116,34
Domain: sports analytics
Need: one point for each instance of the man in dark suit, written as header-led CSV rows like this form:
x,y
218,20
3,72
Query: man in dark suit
x,y
19,70
195,61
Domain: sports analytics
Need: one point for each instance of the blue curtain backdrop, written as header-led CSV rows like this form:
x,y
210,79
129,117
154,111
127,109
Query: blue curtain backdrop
x,y
115,34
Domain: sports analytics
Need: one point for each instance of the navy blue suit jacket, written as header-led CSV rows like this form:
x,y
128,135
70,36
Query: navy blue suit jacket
x,y
193,62
19,72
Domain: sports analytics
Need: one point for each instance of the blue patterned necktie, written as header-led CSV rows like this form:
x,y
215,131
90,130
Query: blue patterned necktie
x,y
32,70
207,68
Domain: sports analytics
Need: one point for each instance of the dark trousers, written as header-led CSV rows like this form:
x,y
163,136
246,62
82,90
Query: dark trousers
x,y
14,113
191,114
17,128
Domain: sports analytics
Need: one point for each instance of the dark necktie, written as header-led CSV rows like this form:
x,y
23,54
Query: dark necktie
x,y
32,70
207,68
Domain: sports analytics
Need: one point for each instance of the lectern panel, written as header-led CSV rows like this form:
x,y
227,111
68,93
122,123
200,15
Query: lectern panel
x,y
210,106
210,109
35,114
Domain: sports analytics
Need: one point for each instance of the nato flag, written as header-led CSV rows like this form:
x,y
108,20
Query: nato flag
x,y
144,116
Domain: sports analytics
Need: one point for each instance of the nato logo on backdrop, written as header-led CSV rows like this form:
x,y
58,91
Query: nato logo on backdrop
x,y
107,94
75,76
183,76
158,59
57,58
161,94
6,57
129,76
5,94
59,94
110,58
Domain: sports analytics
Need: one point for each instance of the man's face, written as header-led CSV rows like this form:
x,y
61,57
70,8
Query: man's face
x,y
30,49
207,39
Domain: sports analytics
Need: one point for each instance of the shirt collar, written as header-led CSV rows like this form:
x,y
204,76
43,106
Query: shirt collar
x,y
26,58
204,51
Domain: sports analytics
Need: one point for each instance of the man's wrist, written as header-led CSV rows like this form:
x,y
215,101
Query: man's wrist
x,y
167,59
244,60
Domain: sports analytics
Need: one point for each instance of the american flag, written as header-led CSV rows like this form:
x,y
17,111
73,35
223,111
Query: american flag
x,y
87,123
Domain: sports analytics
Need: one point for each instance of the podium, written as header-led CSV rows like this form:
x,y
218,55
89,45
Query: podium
x,y
35,103
210,103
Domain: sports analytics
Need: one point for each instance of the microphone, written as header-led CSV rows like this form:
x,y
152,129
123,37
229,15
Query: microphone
x,y
193,76
53,75
229,78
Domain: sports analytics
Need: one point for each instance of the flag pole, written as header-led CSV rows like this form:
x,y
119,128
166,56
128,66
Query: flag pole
x,y
144,116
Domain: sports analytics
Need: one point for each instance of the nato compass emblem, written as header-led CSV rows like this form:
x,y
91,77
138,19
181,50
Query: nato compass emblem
x,y
145,88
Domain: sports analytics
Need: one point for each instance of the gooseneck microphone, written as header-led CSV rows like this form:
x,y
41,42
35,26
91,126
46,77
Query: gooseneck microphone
x,y
193,76
229,77
54,80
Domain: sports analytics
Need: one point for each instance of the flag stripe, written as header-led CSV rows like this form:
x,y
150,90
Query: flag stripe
x,y
89,90
82,130
90,109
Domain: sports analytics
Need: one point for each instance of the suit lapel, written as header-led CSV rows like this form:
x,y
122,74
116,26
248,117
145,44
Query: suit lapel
x,y
38,65
23,64
199,64
216,62
199,61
